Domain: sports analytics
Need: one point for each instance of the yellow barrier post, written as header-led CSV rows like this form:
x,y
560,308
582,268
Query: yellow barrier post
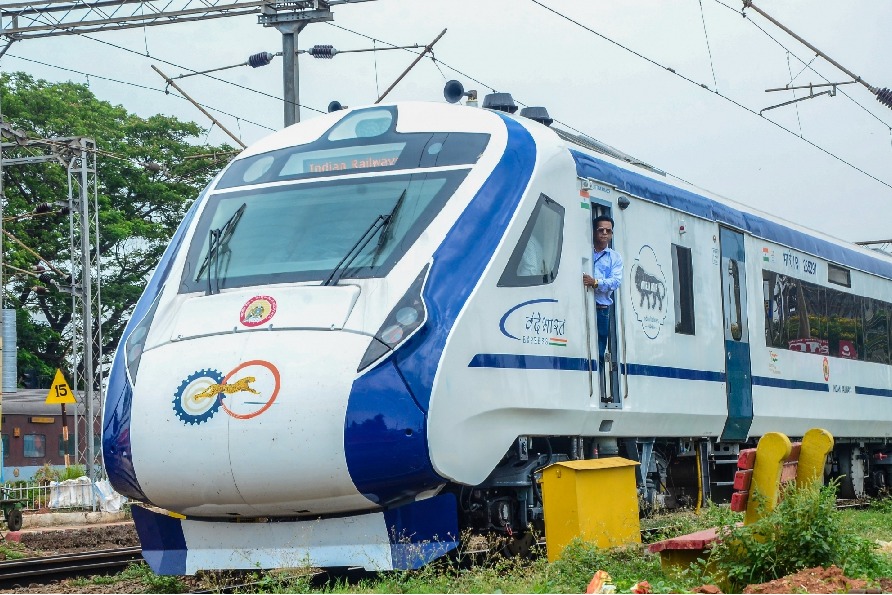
x,y
816,445
772,451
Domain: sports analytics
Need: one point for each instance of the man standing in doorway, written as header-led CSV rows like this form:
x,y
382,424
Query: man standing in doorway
x,y
608,274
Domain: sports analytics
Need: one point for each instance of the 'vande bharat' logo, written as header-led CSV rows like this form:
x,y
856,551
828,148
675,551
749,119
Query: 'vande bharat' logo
x,y
534,323
649,292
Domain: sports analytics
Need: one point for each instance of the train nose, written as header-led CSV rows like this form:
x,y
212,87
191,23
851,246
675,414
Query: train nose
x,y
247,425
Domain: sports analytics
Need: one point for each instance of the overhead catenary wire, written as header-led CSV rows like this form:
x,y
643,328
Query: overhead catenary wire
x,y
807,65
714,91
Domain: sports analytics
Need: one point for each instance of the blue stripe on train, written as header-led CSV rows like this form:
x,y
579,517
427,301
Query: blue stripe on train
x,y
876,392
532,362
689,202
793,384
385,429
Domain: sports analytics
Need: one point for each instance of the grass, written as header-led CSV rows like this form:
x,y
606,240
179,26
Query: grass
x,y
805,530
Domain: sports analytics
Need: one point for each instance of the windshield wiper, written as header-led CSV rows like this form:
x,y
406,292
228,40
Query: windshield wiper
x,y
216,239
384,222
387,232
356,249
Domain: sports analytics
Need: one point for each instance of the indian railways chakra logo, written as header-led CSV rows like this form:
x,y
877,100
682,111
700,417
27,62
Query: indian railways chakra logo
x,y
202,393
257,310
649,287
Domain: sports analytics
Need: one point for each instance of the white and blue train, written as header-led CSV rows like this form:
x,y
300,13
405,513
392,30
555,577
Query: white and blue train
x,y
370,332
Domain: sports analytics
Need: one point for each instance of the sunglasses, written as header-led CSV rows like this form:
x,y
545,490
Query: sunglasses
x,y
604,230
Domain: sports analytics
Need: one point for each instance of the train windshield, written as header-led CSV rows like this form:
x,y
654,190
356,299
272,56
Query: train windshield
x,y
302,232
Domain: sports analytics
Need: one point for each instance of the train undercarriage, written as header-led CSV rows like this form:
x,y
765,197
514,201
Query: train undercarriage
x,y
672,474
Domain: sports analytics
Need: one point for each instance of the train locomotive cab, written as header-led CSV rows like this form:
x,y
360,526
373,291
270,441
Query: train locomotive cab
x,y
283,359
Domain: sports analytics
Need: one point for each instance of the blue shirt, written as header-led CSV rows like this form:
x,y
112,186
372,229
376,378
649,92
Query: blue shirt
x,y
608,271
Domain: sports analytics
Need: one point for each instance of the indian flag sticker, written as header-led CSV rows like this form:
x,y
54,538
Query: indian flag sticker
x,y
765,255
555,342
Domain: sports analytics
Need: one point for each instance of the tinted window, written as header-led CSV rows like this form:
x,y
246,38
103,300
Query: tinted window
x,y
876,331
805,317
300,232
683,272
362,142
34,445
537,256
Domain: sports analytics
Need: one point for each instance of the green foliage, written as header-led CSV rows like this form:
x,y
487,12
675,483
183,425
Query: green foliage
x,y
804,531
71,472
11,550
580,560
140,571
46,474
139,209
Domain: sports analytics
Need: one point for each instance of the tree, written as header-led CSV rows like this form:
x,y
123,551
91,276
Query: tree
x,y
148,173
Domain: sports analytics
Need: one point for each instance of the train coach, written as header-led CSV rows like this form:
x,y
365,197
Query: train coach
x,y
344,358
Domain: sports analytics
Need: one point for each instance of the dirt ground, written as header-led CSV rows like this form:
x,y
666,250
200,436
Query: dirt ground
x,y
100,537
812,580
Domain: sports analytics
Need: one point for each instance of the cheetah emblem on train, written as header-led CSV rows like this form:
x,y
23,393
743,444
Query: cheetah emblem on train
x,y
649,283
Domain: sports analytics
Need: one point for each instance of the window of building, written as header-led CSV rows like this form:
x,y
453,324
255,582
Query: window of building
x,y
66,449
683,272
840,276
5,446
537,256
34,446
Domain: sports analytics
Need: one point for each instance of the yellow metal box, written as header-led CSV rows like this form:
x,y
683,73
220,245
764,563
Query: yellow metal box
x,y
595,499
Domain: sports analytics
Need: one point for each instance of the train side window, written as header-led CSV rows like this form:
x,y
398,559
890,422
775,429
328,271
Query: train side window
x,y
683,271
846,327
838,275
5,446
795,314
876,331
537,256
34,445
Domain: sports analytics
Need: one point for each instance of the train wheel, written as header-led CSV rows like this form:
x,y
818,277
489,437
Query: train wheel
x,y
851,471
14,519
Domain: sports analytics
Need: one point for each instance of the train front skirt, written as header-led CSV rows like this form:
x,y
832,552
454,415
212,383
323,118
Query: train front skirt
x,y
401,538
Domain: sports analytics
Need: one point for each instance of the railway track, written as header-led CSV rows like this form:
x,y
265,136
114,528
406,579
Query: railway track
x,y
26,571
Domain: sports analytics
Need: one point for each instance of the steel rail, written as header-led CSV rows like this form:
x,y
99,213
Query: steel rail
x,y
65,565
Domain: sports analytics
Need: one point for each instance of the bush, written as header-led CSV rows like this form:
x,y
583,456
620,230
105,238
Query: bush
x,y
804,531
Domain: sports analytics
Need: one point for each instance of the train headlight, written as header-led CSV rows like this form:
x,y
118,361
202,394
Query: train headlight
x,y
405,318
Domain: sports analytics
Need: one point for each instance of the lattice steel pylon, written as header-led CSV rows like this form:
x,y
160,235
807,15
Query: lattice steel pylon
x,y
78,156
86,303
47,18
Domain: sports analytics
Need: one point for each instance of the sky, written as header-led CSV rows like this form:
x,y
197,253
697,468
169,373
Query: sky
x,y
679,84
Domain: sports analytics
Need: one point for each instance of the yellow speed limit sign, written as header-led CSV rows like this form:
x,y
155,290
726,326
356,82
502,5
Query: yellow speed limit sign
x,y
60,393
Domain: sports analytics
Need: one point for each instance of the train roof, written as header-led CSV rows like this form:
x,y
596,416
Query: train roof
x,y
27,401
612,167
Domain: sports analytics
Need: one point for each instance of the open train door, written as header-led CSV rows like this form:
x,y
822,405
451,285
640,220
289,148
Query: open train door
x,y
738,368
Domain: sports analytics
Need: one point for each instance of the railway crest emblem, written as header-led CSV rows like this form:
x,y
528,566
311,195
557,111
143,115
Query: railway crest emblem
x,y
648,293
257,310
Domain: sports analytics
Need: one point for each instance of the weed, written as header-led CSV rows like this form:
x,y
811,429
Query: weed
x,y
71,472
154,583
804,531
10,550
